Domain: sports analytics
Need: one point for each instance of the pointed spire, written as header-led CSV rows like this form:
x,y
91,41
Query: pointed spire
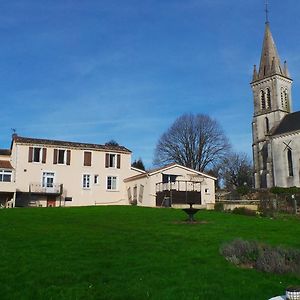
x,y
270,61
255,75
286,70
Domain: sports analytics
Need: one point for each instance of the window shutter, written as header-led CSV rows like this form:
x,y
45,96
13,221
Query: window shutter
x,y
118,161
44,155
106,160
87,159
68,157
30,154
55,156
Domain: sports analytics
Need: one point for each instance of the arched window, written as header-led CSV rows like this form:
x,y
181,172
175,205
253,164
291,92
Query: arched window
x,y
290,162
282,98
267,125
263,100
268,98
286,99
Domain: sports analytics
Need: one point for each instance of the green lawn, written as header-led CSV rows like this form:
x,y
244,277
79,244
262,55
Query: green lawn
x,y
133,253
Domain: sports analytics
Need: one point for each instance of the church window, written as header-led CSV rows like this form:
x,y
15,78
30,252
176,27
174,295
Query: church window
x,y
268,98
286,99
290,162
282,98
267,125
263,100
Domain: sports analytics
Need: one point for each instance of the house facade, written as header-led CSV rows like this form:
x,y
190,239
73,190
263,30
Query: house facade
x,y
49,173
173,185
40,172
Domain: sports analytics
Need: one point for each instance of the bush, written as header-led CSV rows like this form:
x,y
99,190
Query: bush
x,y
219,206
262,257
244,211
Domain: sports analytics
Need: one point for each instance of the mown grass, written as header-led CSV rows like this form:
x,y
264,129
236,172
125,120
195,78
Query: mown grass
x,y
134,253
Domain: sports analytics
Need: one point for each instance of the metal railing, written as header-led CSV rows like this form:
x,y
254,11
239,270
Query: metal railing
x,y
179,185
38,188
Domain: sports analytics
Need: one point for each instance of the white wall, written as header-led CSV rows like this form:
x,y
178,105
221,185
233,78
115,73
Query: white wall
x,y
72,176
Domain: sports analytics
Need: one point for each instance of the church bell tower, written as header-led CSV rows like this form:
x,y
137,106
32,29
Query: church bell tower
x,y
271,86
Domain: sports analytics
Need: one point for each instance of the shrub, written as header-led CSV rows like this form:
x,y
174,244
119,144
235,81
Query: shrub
x,y
219,206
244,211
263,257
240,252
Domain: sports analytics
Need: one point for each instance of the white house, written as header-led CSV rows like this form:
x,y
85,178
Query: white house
x,y
171,185
41,172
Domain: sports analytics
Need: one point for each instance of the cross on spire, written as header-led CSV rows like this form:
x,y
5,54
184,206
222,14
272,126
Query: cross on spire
x,y
267,12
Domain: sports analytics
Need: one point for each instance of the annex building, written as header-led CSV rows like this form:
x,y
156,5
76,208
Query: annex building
x,y
275,127
42,172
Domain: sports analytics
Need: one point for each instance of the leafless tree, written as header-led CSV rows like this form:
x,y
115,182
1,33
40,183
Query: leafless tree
x,y
194,141
236,171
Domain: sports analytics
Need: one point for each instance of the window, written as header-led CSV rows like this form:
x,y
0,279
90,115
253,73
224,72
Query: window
x,y
129,195
282,98
290,162
141,193
111,183
68,199
5,175
112,160
267,125
263,100
87,160
62,156
268,98
48,179
135,193
86,181
96,179
37,154
206,191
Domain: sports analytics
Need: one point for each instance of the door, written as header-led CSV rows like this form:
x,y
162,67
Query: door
x,y
48,181
51,201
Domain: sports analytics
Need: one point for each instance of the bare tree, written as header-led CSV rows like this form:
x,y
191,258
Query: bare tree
x,y
194,141
236,170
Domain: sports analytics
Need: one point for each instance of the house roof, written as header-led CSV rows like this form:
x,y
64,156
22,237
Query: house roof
x,y
5,164
5,152
290,123
165,168
26,140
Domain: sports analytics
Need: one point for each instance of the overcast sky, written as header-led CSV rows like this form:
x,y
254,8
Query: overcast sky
x,y
97,70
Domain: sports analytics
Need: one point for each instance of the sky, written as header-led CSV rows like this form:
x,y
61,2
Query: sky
x,y
96,70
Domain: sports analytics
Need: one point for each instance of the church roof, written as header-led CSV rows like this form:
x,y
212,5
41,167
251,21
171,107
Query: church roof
x,y
290,123
270,61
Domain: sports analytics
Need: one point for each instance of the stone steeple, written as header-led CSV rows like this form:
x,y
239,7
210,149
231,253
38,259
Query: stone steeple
x,y
269,62
271,86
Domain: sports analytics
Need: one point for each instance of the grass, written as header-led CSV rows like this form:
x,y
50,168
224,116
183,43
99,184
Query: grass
x,y
134,253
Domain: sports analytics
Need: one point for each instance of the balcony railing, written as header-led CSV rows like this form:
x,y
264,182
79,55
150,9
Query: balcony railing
x,y
37,188
7,187
179,185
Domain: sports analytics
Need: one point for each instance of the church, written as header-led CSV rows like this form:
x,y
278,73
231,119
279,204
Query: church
x,y
275,127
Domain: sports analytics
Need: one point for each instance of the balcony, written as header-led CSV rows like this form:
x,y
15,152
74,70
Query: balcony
x,y
178,192
38,188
